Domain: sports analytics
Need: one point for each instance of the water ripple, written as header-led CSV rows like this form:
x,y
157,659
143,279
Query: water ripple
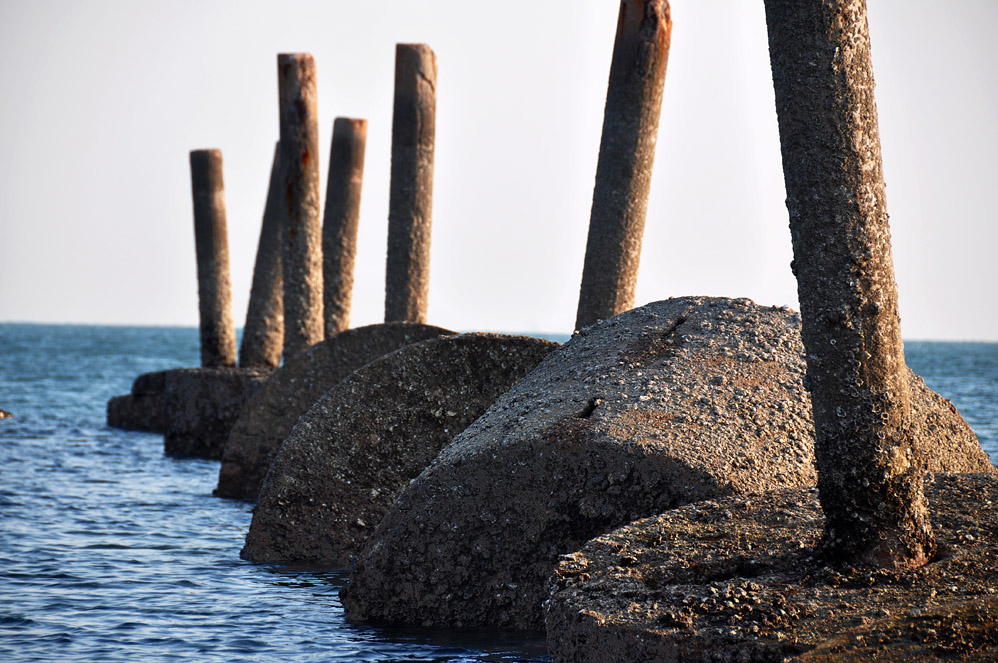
x,y
111,551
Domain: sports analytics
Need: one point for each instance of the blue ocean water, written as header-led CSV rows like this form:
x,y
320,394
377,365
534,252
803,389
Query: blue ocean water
x,y
111,551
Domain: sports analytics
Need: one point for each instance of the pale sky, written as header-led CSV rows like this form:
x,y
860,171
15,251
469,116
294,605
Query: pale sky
x,y
103,99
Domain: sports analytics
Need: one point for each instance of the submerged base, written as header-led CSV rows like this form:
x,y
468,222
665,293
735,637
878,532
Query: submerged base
x,y
144,408
202,405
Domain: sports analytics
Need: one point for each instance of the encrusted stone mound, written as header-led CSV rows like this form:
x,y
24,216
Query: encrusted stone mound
x,y
142,409
291,390
737,579
202,405
359,445
675,402
965,631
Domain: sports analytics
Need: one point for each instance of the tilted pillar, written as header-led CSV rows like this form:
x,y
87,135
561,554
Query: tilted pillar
x,y
627,152
869,473
263,335
407,273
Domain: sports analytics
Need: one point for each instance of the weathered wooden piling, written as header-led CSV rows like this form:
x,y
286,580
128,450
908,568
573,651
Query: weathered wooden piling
x,y
263,335
407,277
869,473
627,152
339,224
218,334
301,249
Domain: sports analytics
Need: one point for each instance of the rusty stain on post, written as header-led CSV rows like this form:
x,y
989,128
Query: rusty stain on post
x,y
627,152
218,333
407,273
263,335
301,248
339,225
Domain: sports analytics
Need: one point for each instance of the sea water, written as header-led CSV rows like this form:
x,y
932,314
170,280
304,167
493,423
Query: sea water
x,y
112,551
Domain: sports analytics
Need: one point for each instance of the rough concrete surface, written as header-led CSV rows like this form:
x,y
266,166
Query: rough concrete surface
x,y
263,333
144,408
671,403
300,218
410,200
869,468
340,220
738,579
356,449
626,155
292,389
211,241
965,630
202,404
132,412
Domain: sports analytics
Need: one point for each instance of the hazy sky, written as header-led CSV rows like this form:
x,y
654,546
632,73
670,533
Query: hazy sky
x,y
103,99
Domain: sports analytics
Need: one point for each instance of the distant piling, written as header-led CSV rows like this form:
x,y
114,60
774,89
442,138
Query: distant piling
x,y
301,249
627,152
407,274
218,334
263,335
339,224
